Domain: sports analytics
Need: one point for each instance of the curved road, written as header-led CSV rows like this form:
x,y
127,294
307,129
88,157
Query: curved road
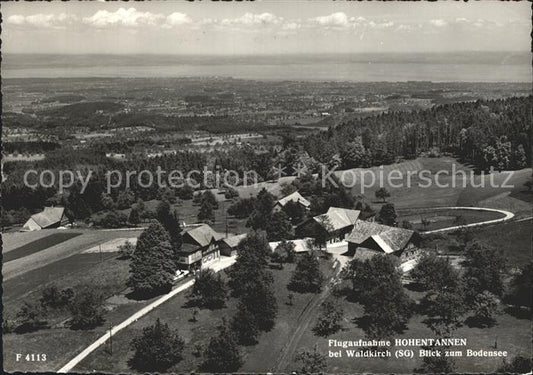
x,y
507,216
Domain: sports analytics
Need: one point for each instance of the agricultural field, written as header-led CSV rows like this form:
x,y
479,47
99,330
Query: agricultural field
x,y
85,239
38,245
178,316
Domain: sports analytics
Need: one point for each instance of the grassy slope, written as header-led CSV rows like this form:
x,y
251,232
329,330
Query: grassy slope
x,y
513,238
88,239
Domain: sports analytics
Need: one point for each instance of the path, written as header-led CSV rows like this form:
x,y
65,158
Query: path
x,y
507,216
217,266
305,320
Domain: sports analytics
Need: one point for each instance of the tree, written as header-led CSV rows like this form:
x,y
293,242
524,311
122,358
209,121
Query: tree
x,y
30,318
260,302
231,193
86,309
208,290
425,223
242,208
107,202
185,192
518,365
245,326
285,249
307,276
484,307
54,298
295,211
125,199
446,309
520,287
387,215
279,227
377,284
354,155
206,213
169,218
208,196
222,353
484,267
262,212
156,349
111,219
126,250
436,365
382,194
445,300
322,234
134,217
251,263
435,273
329,321
152,266
312,361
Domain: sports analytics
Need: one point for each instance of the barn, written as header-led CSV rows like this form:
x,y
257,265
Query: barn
x,y
50,217
370,238
334,224
295,198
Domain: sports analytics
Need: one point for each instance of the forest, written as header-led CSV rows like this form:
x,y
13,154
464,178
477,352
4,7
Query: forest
x,y
484,133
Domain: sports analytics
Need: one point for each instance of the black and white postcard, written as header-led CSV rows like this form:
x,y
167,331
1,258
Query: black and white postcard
x,y
272,186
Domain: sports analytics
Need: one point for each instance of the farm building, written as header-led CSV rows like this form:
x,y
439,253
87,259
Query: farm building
x,y
335,224
294,197
50,217
200,246
228,245
370,238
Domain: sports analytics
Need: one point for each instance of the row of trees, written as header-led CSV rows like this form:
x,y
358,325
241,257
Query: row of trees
x,y
84,306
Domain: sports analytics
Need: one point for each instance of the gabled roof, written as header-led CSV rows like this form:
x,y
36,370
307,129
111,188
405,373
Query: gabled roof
x,y
49,216
233,241
294,197
389,239
187,248
202,234
337,218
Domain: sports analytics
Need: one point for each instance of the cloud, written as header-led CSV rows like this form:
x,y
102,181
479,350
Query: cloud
x,y
177,18
123,17
438,23
250,19
291,26
48,21
338,19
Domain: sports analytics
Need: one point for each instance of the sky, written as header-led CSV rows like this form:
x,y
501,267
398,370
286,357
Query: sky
x,y
264,27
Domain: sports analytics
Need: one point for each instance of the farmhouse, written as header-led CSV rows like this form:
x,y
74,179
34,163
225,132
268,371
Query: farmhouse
x,y
334,225
294,197
199,247
370,238
228,245
50,217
